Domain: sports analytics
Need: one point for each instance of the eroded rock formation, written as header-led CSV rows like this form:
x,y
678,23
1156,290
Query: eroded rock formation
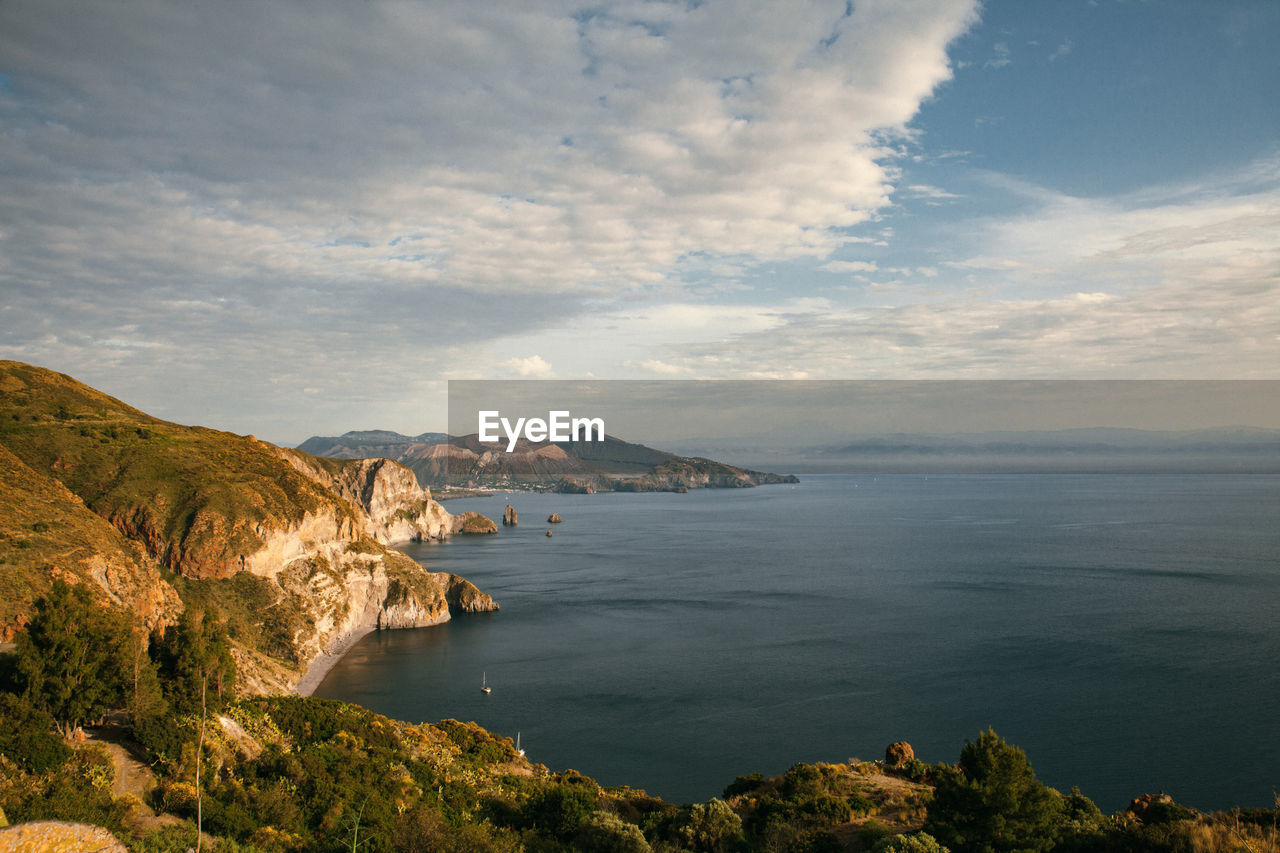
x,y
898,754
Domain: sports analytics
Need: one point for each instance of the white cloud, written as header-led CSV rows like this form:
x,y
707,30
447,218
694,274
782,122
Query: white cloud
x,y
461,144
531,367
850,266
662,368
1173,282
926,191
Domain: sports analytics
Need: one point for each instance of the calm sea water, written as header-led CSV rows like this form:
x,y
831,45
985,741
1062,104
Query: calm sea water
x,y
1123,630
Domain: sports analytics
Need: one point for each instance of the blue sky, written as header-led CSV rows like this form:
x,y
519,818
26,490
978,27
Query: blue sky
x,y
302,217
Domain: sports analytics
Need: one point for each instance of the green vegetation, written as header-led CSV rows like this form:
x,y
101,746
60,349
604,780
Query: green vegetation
x,y
291,773
197,497
992,801
70,658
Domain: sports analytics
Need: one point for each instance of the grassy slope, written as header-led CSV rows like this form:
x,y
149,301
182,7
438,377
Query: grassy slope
x,y
193,496
46,531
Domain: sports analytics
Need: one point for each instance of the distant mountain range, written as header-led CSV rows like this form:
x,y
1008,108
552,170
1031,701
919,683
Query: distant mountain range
x,y
568,466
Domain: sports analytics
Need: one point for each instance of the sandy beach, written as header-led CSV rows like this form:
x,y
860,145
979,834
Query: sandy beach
x,y
320,666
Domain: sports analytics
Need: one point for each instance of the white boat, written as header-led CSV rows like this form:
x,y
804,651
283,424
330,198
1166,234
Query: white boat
x,y
484,684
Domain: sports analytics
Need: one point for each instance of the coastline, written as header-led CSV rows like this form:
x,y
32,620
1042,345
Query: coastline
x,y
328,659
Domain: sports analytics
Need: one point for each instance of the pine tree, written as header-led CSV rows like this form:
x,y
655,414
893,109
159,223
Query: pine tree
x,y
195,657
70,658
993,802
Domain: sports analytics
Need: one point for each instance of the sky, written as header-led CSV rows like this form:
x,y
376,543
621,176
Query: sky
x,y
303,217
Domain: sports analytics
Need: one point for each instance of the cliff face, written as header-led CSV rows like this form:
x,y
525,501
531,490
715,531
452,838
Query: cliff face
x,y
398,509
99,492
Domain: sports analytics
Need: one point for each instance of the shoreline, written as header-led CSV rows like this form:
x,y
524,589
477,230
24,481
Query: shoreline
x,y
327,660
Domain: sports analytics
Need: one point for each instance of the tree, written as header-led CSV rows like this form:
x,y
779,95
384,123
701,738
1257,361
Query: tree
x,y
70,659
195,660
27,737
710,827
993,802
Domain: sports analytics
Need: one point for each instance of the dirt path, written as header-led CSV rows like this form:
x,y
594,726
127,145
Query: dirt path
x,y
132,775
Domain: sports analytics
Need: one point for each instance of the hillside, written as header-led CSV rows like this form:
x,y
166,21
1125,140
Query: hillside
x,y
568,466
47,532
155,514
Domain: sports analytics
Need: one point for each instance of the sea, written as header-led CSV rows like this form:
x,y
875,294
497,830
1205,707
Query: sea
x,y
1123,630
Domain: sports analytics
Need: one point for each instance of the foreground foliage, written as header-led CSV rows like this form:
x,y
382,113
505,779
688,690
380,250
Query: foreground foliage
x,y
298,774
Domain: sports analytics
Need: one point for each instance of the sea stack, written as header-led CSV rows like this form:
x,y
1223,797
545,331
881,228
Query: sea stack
x,y
509,517
548,533
554,518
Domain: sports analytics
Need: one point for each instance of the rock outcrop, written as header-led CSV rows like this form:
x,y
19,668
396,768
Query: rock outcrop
x,y
898,754
56,836
1144,806
554,518
509,517
398,509
475,523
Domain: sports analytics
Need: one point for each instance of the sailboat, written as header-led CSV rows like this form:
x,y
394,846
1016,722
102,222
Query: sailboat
x,y
484,684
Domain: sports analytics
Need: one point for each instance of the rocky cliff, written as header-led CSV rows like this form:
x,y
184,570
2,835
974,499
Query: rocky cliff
x,y
398,509
292,550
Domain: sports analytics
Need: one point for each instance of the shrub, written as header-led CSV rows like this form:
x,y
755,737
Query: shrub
x,y
710,827
605,831
916,842
559,810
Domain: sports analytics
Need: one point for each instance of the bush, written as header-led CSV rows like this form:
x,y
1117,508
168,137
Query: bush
x,y
917,842
605,831
560,810
710,827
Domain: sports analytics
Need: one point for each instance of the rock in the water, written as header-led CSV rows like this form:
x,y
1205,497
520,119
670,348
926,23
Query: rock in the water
x,y
898,754
548,533
509,517
475,523
554,518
